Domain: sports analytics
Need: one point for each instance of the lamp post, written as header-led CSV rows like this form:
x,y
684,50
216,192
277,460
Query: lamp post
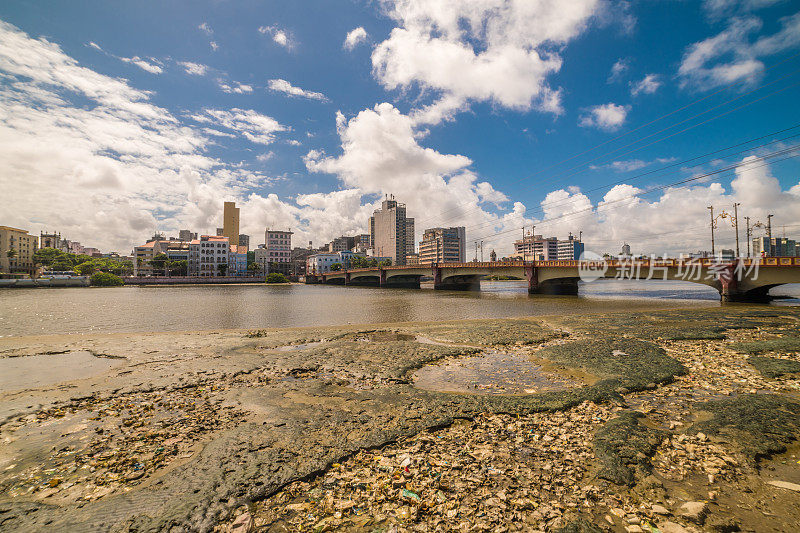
x,y
736,223
747,233
711,208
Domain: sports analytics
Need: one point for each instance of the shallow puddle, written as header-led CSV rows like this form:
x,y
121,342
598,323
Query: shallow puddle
x,y
29,372
491,373
383,336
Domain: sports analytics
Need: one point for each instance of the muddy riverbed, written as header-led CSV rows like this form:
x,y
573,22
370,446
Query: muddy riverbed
x,y
682,420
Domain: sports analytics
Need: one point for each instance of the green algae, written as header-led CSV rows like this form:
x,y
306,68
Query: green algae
x,y
760,424
624,447
789,344
491,332
773,367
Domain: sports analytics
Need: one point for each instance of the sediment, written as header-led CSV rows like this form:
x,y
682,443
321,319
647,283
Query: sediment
x,y
323,429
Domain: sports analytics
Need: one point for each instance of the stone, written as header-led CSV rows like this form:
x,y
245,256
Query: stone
x,y
671,527
242,524
784,485
633,528
694,512
659,509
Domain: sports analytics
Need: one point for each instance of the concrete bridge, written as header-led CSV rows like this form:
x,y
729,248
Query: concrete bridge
x,y
748,279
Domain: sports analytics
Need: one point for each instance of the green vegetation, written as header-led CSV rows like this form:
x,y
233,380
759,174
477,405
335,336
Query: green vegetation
x,y
276,277
772,367
335,267
761,424
624,447
85,265
779,345
106,279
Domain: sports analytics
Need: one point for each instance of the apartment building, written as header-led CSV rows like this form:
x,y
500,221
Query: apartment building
x,y
391,231
16,251
443,245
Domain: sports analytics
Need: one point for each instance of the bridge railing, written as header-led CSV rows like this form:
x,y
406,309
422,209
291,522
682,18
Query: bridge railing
x,y
567,263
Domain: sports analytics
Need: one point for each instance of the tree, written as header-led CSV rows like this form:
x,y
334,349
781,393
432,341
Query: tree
x,y
11,253
159,262
47,256
336,267
106,279
87,268
385,263
276,277
222,268
253,267
179,268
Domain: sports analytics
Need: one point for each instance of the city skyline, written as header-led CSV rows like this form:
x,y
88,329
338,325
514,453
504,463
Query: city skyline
x,y
154,130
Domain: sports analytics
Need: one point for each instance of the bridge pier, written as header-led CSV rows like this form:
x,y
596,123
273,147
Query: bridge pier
x,y
400,282
563,287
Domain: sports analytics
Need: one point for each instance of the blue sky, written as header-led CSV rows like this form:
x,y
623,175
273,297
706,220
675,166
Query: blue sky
x,y
130,119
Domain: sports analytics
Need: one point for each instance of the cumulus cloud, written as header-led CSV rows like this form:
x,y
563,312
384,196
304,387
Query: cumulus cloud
x,y
252,125
205,28
647,85
143,64
354,38
285,87
494,51
608,117
278,35
214,45
235,87
195,69
733,55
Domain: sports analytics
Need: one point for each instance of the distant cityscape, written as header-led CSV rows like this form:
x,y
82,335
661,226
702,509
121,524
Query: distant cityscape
x,y
390,241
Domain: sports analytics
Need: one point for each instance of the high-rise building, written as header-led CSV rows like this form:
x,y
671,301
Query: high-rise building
x,y
230,222
276,256
16,251
571,249
774,247
443,245
244,240
186,236
391,233
342,244
536,248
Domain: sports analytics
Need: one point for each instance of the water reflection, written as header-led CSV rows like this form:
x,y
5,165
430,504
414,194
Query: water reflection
x,y
86,310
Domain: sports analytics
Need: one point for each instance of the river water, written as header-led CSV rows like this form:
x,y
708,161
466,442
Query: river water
x,y
202,307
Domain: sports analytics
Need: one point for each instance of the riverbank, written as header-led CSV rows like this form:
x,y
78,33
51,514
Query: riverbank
x,y
622,420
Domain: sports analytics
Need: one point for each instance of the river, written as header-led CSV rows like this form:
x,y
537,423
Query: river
x,y
203,307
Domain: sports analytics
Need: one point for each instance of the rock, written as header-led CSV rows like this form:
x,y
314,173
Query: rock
x,y
784,485
242,524
633,528
694,512
671,527
659,509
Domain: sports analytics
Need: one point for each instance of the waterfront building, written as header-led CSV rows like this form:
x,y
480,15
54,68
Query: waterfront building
x,y
535,247
237,260
443,245
412,259
278,251
230,222
321,263
391,232
207,255
775,247
363,243
50,240
20,261
571,249
626,250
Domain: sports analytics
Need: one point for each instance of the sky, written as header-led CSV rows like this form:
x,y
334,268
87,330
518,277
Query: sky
x,y
618,121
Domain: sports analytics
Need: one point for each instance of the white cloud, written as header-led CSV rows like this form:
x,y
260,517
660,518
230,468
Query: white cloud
x,y
279,36
618,69
205,28
647,85
495,51
235,88
195,69
95,46
285,87
143,64
630,165
732,55
265,156
252,125
608,117
354,38
725,8
214,45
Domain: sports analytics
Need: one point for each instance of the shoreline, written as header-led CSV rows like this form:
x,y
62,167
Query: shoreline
x,y
150,428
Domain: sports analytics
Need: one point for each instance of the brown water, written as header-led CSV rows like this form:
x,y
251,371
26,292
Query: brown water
x,y
200,307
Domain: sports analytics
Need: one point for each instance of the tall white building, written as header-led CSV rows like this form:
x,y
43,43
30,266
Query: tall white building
x,y
207,255
391,232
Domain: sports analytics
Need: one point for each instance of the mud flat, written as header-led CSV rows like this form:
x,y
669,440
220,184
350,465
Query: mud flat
x,y
659,421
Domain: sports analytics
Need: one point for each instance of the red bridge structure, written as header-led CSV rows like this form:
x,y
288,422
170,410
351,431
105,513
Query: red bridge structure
x,y
747,279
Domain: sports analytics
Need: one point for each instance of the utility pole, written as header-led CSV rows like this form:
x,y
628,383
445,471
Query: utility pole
x,y
524,254
481,251
769,235
476,251
711,207
736,223
747,221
